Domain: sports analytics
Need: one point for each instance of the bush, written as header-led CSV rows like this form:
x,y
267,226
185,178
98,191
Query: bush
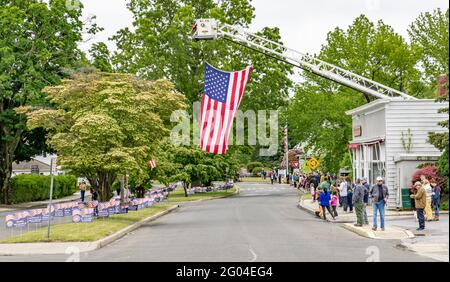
x,y
257,170
252,165
431,172
443,168
32,187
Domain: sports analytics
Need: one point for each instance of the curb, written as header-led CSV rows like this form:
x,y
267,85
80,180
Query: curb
x,y
371,234
71,247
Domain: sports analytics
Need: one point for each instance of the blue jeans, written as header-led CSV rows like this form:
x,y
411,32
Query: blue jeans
x,y
435,205
378,206
421,218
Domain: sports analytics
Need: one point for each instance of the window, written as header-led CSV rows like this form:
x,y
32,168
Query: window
x,y
35,169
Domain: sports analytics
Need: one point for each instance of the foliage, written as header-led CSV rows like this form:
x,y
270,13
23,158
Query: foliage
x,y
101,58
317,115
32,187
106,124
443,168
429,36
161,46
257,170
38,41
192,166
431,172
252,165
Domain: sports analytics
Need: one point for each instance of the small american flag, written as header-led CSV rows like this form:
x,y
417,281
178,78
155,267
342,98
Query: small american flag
x,y
222,96
152,164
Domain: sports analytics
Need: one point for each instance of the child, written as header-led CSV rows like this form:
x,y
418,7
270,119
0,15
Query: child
x,y
312,191
334,203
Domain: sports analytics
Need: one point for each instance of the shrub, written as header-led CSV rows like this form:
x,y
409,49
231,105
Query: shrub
x,y
443,168
257,170
252,165
431,172
32,187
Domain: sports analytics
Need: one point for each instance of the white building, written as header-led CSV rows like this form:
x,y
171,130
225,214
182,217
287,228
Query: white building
x,y
390,139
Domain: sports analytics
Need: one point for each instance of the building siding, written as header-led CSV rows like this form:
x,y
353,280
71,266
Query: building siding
x,y
422,117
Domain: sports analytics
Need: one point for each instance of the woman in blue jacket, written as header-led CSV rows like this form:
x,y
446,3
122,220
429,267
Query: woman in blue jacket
x,y
325,199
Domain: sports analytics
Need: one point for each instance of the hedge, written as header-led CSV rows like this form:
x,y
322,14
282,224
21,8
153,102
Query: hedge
x,y
32,187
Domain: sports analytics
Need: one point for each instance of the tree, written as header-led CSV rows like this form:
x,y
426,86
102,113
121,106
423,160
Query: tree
x,y
192,166
38,40
429,35
106,124
101,58
317,112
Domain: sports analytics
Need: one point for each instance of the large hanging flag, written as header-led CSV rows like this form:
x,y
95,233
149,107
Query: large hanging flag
x,y
222,96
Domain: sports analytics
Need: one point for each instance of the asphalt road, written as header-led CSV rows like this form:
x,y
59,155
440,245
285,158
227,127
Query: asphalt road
x,y
263,223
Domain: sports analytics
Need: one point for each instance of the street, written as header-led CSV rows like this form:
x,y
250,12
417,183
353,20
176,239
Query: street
x,y
262,223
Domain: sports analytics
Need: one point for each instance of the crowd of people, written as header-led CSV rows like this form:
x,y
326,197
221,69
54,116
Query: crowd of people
x,y
331,192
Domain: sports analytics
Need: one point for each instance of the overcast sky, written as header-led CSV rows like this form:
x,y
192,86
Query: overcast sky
x,y
304,24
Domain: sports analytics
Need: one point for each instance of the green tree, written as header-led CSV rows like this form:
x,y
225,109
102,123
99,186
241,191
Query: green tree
x,y
101,58
429,35
317,112
192,166
38,41
106,124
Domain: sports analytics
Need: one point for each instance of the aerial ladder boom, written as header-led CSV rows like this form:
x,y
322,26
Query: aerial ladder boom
x,y
205,29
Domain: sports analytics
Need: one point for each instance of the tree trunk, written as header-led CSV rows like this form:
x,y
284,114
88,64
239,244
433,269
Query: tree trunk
x,y
7,149
105,181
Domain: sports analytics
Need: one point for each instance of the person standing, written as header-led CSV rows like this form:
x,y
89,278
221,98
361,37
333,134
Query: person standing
x,y
358,202
436,199
325,203
350,188
380,193
366,199
420,200
274,176
312,190
428,190
82,188
343,194
334,202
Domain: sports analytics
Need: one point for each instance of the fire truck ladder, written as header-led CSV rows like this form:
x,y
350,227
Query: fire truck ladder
x,y
205,29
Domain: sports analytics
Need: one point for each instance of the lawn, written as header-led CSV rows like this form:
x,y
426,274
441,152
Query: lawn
x,y
84,232
178,196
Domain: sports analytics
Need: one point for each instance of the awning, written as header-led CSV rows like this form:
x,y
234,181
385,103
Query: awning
x,y
353,146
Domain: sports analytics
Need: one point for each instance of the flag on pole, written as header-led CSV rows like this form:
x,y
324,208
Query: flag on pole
x,y
152,164
222,96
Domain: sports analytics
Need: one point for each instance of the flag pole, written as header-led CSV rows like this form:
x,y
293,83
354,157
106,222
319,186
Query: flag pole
x,y
287,153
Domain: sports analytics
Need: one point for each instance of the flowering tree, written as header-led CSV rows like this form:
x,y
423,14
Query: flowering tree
x,y
105,124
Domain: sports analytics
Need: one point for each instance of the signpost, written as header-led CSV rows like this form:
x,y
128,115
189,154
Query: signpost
x,y
52,172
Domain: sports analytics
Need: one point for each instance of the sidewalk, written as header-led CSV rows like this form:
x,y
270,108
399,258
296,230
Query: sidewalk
x,y
394,230
347,217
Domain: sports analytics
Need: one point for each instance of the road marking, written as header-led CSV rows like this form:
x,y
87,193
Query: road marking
x,y
253,253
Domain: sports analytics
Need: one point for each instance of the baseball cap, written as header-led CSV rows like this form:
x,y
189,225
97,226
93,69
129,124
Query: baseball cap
x,y
379,178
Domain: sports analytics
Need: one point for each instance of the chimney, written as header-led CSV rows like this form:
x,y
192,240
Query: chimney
x,y
442,85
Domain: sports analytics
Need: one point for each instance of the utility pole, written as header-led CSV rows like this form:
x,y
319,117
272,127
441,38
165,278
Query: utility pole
x,y
52,169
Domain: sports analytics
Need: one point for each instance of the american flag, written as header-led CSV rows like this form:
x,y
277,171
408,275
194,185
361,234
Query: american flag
x,y
152,164
222,96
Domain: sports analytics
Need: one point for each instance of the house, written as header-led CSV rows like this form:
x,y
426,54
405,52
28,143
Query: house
x,y
38,165
390,139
